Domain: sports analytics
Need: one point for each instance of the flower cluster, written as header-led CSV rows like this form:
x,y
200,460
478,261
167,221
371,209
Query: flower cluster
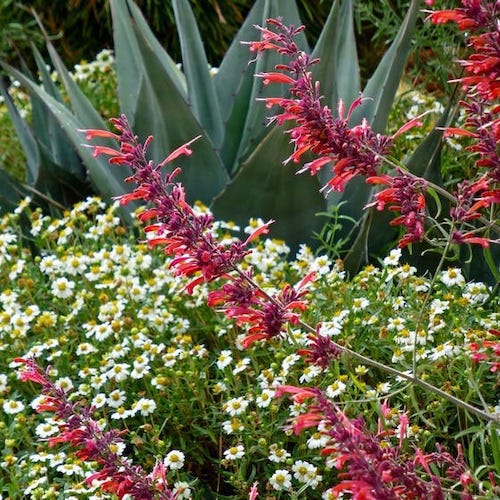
x,y
92,443
350,150
482,124
383,304
188,237
480,19
406,192
369,466
141,356
358,151
488,351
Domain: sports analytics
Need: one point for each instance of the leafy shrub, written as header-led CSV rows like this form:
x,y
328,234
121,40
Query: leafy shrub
x,y
114,325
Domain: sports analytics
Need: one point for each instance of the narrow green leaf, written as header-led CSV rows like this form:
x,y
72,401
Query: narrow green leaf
x,y
59,152
201,89
265,188
80,104
373,234
127,57
159,107
25,137
235,71
338,67
46,79
425,161
494,429
383,84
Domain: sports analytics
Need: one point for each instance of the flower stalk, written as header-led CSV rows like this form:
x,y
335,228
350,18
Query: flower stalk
x,y
79,429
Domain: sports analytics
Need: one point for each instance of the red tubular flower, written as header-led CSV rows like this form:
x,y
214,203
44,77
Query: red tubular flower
x,y
406,196
472,198
90,442
487,350
253,492
351,151
31,372
299,394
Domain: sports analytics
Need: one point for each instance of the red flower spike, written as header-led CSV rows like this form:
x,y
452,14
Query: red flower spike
x,y
352,150
79,430
405,195
188,239
368,466
482,80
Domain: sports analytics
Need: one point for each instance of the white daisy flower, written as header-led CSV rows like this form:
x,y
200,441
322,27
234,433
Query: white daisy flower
x,y
174,460
235,452
281,480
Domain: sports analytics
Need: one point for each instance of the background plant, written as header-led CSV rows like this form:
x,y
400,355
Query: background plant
x,y
73,22
238,146
125,330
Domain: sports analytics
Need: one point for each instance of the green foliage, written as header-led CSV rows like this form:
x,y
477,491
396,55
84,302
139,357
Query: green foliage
x,y
118,328
239,176
19,29
84,28
432,59
97,79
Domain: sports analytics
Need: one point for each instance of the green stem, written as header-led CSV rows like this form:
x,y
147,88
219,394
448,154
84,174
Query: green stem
x,y
421,383
410,377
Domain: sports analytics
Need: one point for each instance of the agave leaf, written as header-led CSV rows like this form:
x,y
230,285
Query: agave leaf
x,y
234,82
129,25
235,69
46,79
143,30
383,84
127,57
80,104
257,114
108,181
201,89
58,149
338,67
159,106
11,192
235,124
425,161
264,188
25,136
58,184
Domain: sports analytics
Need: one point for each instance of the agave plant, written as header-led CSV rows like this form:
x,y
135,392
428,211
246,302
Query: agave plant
x,y
236,166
